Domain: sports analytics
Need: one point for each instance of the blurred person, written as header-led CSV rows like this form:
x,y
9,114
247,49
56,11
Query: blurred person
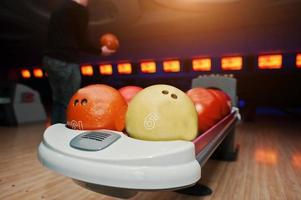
x,y
67,37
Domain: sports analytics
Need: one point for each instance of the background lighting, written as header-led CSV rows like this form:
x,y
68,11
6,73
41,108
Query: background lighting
x,y
106,69
201,64
232,63
25,73
124,68
270,61
38,73
171,66
148,67
87,70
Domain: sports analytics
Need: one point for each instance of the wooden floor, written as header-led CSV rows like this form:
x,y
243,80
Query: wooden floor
x,y
268,167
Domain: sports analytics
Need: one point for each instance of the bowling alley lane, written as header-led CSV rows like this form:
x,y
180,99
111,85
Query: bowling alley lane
x,y
268,166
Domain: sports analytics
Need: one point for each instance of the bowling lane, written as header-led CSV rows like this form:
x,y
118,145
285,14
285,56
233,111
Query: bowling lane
x,y
268,166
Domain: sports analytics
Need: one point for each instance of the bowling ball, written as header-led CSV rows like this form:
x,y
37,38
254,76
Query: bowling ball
x,y
161,112
128,92
109,40
207,106
97,107
229,102
223,101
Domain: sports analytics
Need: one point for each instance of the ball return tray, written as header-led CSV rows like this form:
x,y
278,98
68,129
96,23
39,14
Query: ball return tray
x,y
112,163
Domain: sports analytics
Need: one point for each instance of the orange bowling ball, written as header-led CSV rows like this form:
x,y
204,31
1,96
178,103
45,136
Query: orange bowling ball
x,y
97,107
128,92
109,40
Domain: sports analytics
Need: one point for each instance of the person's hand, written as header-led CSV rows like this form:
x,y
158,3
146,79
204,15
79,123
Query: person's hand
x,y
106,52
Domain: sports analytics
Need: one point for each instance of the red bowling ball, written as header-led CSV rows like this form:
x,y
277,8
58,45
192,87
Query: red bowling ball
x,y
225,105
128,92
207,106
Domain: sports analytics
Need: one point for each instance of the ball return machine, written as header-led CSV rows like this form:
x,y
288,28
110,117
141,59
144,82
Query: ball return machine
x,y
114,164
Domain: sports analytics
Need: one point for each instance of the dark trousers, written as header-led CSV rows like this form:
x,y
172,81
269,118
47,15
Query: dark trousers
x,y
65,80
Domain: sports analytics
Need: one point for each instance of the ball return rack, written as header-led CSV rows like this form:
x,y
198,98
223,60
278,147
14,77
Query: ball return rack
x,y
114,164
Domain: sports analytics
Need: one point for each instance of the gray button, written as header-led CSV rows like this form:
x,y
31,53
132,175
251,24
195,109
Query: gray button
x,y
94,141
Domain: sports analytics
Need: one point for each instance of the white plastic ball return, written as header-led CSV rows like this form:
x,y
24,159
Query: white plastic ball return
x,y
112,163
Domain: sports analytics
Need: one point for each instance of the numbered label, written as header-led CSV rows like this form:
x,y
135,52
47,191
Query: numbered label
x,y
78,125
150,121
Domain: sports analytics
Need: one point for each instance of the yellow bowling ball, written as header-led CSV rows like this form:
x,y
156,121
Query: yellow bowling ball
x,y
162,112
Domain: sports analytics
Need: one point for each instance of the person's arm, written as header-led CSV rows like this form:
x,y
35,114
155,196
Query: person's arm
x,y
82,37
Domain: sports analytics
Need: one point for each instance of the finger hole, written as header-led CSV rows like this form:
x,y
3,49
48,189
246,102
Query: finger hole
x,y
174,96
75,103
84,102
165,92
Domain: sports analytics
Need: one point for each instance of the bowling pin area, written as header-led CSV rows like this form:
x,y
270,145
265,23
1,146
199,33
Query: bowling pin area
x,y
268,166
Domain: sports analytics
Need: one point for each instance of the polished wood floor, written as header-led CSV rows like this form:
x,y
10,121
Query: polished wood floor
x,y
268,167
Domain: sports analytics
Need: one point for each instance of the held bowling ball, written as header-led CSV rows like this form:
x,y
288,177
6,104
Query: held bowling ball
x,y
207,106
109,40
128,92
96,107
161,112
223,101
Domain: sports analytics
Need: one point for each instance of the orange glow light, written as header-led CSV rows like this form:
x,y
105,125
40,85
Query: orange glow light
x,y
87,70
124,68
298,60
201,64
148,67
38,73
106,69
270,61
171,66
296,160
266,156
232,63
25,73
